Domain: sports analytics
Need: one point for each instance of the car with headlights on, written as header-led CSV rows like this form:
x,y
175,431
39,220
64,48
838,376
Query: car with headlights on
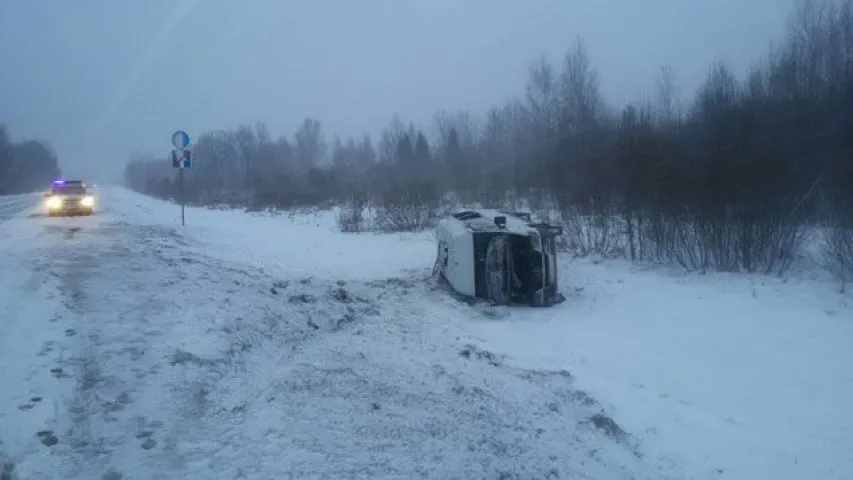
x,y
69,197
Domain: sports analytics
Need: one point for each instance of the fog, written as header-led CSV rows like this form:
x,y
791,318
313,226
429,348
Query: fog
x,y
100,79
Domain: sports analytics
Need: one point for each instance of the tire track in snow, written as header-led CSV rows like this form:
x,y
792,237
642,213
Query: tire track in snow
x,y
102,430
141,384
73,264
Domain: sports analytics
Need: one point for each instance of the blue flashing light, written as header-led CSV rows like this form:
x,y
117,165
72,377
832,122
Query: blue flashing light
x,y
59,182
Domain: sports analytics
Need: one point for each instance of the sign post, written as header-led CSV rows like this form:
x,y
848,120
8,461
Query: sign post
x,y
181,159
181,194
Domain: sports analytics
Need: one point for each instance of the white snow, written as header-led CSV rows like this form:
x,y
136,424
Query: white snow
x,y
722,376
248,346
30,343
298,245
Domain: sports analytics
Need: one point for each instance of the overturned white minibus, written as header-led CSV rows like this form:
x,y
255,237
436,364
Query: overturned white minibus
x,y
502,257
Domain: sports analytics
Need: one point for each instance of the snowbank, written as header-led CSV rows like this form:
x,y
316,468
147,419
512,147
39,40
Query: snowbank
x,y
304,245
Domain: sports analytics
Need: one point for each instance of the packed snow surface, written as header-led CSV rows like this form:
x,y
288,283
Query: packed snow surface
x,y
266,347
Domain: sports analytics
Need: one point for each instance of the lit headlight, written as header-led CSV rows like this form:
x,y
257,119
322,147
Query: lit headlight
x,y
87,201
54,203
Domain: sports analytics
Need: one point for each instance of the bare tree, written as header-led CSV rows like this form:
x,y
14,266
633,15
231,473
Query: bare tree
x,y
580,96
667,96
389,139
310,145
543,96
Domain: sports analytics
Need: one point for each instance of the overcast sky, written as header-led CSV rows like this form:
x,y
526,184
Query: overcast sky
x,y
102,78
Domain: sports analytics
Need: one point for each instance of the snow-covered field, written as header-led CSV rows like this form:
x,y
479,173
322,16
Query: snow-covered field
x,y
257,347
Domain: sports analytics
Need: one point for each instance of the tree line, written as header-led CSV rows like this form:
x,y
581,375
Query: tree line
x,y
25,166
738,178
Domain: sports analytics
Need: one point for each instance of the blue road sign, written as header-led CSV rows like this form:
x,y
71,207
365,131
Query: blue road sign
x,y
180,140
182,158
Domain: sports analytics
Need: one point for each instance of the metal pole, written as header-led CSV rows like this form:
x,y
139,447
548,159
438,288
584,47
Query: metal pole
x,y
181,182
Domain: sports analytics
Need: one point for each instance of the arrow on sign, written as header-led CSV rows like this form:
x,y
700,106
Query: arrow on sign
x,y
181,158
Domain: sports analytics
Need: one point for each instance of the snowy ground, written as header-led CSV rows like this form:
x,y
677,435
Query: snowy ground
x,y
253,347
12,205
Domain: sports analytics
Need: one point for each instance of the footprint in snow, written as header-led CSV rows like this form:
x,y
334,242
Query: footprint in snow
x,y
28,406
112,475
47,438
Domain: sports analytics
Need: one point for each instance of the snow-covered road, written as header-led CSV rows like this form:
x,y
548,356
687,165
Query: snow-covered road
x,y
251,347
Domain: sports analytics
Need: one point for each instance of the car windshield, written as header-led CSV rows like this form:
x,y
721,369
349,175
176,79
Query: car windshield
x,y
69,190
